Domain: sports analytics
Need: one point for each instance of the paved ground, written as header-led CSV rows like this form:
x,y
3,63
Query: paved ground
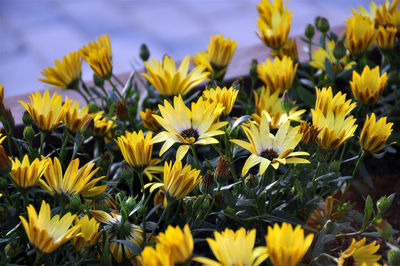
x,y
35,32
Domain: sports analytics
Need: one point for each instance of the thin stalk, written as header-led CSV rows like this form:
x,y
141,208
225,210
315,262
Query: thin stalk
x,y
115,89
64,144
140,173
195,156
118,80
360,158
42,136
310,50
158,223
38,256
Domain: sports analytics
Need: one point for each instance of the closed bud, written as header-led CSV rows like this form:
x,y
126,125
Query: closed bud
x,y
93,108
130,204
384,229
29,133
121,110
220,200
340,50
11,249
334,166
253,69
99,82
27,119
5,162
222,170
393,256
75,203
238,83
87,128
105,160
322,24
144,52
286,102
384,203
126,171
309,31
251,181
207,183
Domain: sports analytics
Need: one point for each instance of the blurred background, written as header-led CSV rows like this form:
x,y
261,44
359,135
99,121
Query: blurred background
x,y
33,33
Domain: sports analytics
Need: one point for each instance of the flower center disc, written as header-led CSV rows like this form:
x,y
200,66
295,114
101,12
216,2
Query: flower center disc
x,y
190,132
269,154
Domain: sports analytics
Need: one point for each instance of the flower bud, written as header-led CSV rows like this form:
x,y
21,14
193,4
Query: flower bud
x,y
322,24
5,162
309,32
27,119
130,204
220,200
126,171
286,102
207,183
334,166
251,181
93,108
253,69
222,170
394,257
75,203
87,128
121,110
238,83
144,52
384,229
384,203
99,82
29,133
340,50
11,249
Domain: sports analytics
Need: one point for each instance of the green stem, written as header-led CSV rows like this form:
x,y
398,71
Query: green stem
x,y
195,156
118,80
309,50
140,173
360,158
115,89
64,144
42,136
38,256
158,223
324,40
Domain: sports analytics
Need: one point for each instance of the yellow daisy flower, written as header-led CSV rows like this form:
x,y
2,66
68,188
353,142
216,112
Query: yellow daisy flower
x,y
74,117
383,15
178,182
98,55
45,233
360,34
1,96
226,97
118,230
46,113
287,246
234,248
102,125
88,233
386,37
279,75
310,133
188,126
102,41
149,121
169,81
319,56
267,149
65,74
26,174
368,87
2,138
375,134
289,49
337,104
274,23
74,181
360,254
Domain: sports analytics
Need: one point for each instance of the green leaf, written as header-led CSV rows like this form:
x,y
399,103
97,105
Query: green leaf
x,y
133,247
367,212
329,70
306,96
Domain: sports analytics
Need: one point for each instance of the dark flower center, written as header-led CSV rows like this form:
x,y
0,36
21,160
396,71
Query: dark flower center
x,y
349,261
269,154
190,132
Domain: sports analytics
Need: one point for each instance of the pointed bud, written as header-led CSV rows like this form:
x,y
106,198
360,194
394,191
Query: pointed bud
x,y
93,108
384,203
222,170
75,203
286,102
121,110
144,52
340,50
384,229
394,257
238,83
126,171
29,133
87,128
130,204
322,24
27,119
207,183
220,200
309,31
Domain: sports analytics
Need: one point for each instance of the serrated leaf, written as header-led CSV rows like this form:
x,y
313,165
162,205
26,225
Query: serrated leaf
x,y
367,212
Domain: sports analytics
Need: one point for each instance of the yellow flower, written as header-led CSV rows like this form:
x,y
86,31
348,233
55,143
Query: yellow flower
x,y
65,74
46,113
98,55
287,246
186,126
169,81
89,232
383,15
27,174
334,129
375,134
234,248
272,104
289,49
74,117
1,96
310,133
337,104
386,37
173,247
178,182
267,149
360,33
137,149
2,138
217,57
45,233
74,181
118,230
226,97
360,254
279,75
319,56
102,125
368,87
102,41
149,121
274,23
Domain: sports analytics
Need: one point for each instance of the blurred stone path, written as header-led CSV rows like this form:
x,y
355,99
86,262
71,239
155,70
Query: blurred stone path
x,y
33,33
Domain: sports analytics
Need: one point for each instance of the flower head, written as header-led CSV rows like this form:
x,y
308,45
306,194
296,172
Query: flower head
x,y
234,248
98,55
267,149
149,121
188,126
386,37
274,23
1,96
375,134
65,74
74,117
383,15
289,49
310,133
26,174
74,181
337,104
89,232
368,87
226,97
287,246
279,75
46,112
171,81
46,233
102,125
360,33
360,254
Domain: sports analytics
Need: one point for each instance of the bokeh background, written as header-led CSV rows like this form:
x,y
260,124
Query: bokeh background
x,y
33,33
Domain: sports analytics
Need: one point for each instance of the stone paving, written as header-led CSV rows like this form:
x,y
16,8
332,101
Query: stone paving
x,y
33,33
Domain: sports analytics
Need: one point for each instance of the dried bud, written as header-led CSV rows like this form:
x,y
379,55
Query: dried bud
x,y
27,119
87,128
29,133
126,171
394,257
340,50
149,121
99,82
5,162
207,183
220,200
8,117
222,170
144,52
384,229
251,181
253,69
121,110
310,133
238,83
309,32
286,102
160,198
322,24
